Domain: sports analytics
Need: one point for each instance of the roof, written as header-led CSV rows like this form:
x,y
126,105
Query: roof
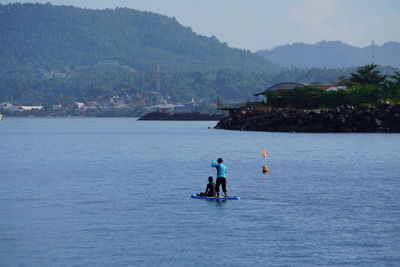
x,y
167,106
331,87
31,107
280,86
325,87
335,88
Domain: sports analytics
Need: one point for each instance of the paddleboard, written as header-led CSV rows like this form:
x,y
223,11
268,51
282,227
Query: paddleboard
x,y
215,198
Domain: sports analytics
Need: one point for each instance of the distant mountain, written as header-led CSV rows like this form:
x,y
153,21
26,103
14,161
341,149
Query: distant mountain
x,y
332,54
48,36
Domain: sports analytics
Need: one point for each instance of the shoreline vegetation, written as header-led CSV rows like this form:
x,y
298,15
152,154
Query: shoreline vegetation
x,y
367,101
118,113
72,113
182,116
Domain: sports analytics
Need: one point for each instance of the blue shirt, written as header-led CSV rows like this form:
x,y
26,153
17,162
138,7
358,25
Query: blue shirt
x,y
221,169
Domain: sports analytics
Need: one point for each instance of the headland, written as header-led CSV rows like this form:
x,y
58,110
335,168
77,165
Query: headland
x,y
383,118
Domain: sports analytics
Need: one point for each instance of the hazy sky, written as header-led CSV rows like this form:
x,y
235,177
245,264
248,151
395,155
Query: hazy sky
x,y
260,24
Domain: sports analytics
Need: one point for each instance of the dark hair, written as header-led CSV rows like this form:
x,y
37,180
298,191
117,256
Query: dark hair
x,y
220,160
210,179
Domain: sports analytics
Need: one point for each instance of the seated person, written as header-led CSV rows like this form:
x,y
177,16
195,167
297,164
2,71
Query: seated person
x,y
210,189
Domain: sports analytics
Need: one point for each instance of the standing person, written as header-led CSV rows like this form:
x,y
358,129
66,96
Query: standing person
x,y
221,175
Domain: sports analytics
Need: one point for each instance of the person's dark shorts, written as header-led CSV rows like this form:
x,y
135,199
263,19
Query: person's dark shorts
x,y
221,181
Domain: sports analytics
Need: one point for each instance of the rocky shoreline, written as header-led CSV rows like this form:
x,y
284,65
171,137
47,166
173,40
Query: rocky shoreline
x,y
383,118
183,116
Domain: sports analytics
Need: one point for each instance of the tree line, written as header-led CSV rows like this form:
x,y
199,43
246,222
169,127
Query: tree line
x,y
28,86
366,86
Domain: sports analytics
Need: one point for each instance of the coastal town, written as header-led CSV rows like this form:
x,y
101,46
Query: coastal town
x,y
108,105
148,102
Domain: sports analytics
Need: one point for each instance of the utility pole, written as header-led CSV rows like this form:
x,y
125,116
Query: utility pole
x,y
158,79
372,51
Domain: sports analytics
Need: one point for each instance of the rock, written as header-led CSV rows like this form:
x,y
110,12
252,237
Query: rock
x,y
383,106
396,108
378,122
382,118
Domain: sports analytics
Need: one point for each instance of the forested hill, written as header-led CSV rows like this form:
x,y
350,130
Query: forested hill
x,y
48,36
333,54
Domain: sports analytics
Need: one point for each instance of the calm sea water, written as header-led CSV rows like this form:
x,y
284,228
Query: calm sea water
x,y
116,192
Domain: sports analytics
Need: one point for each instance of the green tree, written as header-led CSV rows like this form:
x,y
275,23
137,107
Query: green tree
x,y
367,75
392,89
342,81
365,94
308,96
396,77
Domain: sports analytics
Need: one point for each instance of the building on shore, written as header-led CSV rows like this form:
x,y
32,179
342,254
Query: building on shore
x,y
263,104
29,108
291,85
6,105
280,87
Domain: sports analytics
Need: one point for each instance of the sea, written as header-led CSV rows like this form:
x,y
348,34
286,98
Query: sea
x,y
116,192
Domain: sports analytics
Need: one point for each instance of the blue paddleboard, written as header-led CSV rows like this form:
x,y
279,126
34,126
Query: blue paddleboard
x,y
215,198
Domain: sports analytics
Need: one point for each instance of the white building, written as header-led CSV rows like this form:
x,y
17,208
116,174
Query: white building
x,y
6,105
30,108
79,104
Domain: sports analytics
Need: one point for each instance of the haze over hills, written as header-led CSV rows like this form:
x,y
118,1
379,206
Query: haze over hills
x,y
332,54
49,36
